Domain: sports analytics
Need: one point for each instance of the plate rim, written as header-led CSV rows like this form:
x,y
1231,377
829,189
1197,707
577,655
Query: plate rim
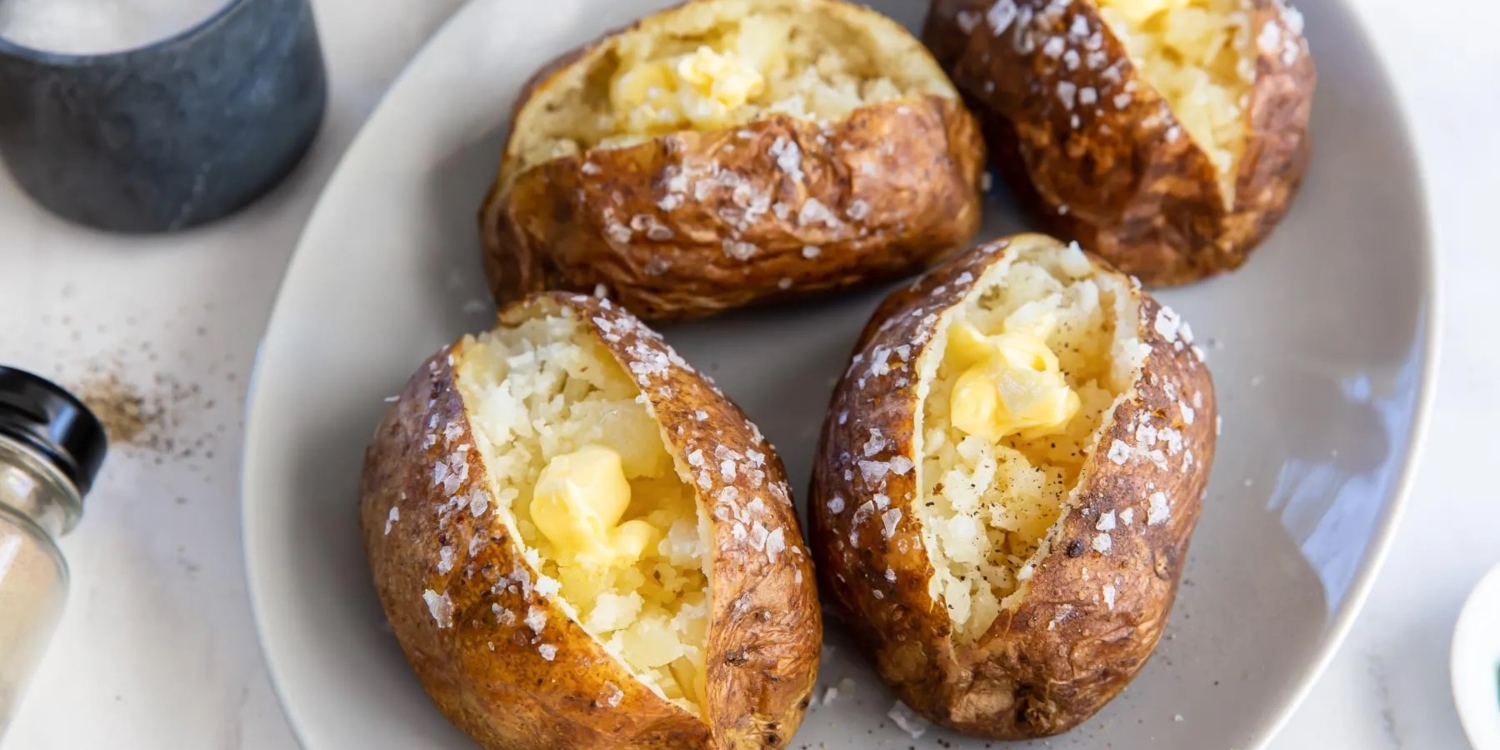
x,y
1341,621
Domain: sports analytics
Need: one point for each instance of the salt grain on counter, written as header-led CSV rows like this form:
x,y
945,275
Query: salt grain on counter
x,y
84,27
909,721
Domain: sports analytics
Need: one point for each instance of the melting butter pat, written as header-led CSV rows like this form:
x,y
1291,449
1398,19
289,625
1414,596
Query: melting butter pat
x,y
578,502
1010,383
700,90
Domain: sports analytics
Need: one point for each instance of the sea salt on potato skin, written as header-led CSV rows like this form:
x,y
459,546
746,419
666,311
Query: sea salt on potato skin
x,y
465,618
690,223
1091,612
1097,155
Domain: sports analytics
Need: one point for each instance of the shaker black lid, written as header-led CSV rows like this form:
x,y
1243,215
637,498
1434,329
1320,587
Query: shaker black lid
x,y
40,414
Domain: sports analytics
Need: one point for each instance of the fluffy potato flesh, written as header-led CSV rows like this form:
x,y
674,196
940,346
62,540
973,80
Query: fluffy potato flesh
x,y
579,469
1199,55
1016,391
716,64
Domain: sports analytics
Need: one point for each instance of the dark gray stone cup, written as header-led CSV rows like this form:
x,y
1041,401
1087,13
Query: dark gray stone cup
x,y
171,135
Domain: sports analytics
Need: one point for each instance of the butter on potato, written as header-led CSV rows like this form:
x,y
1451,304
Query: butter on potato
x,y
721,153
711,65
996,479
580,542
1008,560
572,454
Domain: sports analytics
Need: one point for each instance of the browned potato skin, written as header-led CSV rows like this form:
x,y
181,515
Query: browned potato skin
x,y
488,678
915,165
1022,678
1116,184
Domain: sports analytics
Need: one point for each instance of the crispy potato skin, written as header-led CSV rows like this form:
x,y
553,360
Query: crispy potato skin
x,y
489,678
1059,656
899,182
1118,181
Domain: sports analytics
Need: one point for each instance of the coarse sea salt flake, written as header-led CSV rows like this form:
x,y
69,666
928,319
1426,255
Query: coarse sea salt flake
x,y
910,721
1103,542
1157,511
759,535
813,211
548,651
788,157
1127,516
873,471
1106,521
547,585
1001,15
1109,595
739,250
393,517
1066,92
1168,323
775,543
1269,39
441,608
503,616
891,519
1119,452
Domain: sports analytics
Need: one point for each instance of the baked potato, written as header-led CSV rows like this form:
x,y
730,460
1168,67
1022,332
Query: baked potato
x,y
1006,483
728,151
1168,136
580,543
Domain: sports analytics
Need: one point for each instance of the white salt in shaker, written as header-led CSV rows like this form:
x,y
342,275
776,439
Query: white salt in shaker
x,y
51,447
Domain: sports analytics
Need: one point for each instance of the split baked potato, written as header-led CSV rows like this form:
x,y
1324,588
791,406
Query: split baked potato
x,y
580,543
728,151
1006,483
1169,136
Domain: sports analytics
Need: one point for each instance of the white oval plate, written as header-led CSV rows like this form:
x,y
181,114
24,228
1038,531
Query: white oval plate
x,y
1321,348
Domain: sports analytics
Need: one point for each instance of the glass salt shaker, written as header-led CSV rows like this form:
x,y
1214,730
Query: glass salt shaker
x,y
51,447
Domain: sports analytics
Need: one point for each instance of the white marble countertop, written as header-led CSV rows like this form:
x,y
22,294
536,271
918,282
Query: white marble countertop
x,y
158,648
